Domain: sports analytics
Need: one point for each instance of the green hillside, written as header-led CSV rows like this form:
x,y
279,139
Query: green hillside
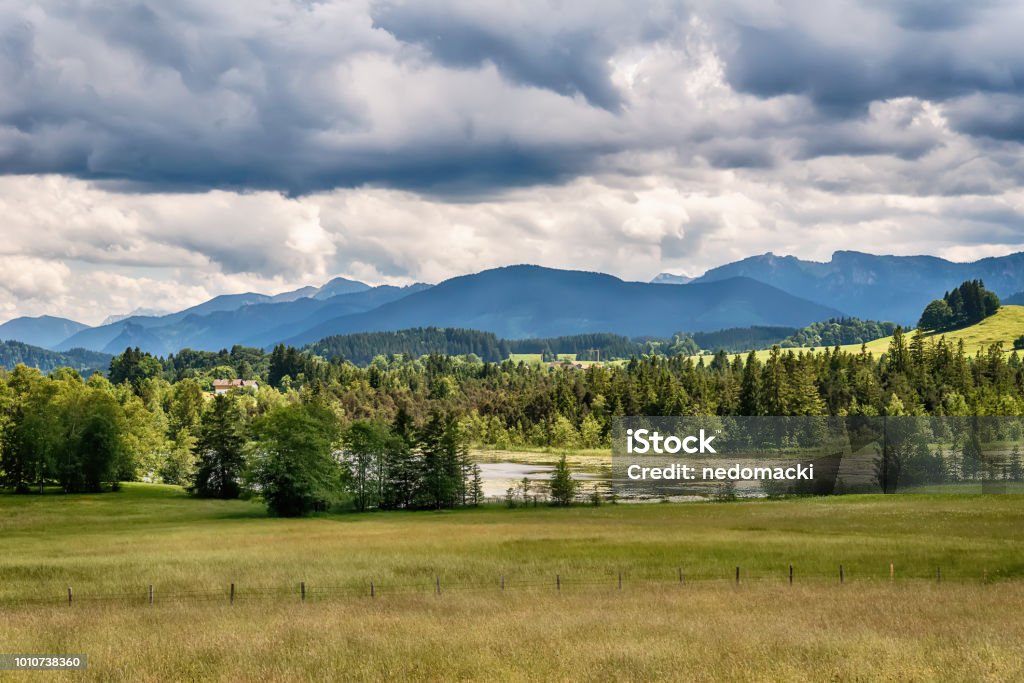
x,y
1006,325
85,362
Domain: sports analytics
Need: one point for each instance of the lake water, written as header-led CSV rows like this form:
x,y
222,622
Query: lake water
x,y
498,477
499,474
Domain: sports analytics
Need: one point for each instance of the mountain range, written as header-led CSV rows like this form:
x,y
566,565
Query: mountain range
x,y
894,288
520,302
247,319
45,331
671,279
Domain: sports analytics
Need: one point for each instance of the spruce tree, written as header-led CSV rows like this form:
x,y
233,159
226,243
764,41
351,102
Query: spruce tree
x,y
219,450
563,486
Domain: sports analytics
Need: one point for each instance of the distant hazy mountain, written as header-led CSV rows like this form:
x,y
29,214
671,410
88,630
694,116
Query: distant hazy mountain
x,y
254,324
99,338
671,279
300,293
44,331
529,301
521,302
874,287
338,306
149,312
1014,299
338,286
112,337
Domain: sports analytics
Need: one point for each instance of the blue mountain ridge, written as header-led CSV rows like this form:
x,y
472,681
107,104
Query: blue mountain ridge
x,y
526,301
44,331
867,286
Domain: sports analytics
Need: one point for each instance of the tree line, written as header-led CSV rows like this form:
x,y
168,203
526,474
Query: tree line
x,y
158,422
841,331
295,451
361,348
14,353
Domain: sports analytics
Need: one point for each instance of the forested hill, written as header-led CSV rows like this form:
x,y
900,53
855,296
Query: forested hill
x,y
85,362
361,348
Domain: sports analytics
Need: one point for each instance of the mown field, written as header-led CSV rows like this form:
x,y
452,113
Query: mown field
x,y
1002,328
111,547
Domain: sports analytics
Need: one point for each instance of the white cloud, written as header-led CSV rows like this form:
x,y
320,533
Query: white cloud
x,y
157,155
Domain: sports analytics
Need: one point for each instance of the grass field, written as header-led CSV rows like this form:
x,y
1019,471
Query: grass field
x,y
537,358
111,547
1006,325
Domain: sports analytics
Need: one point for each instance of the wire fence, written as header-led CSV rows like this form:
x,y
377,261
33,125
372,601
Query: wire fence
x,y
303,591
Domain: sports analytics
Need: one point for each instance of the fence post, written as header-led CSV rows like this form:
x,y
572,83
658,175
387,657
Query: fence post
x,y
680,575
938,574
302,591
790,573
150,594
892,571
558,582
232,598
737,576
69,596
437,584
372,593
840,573
502,583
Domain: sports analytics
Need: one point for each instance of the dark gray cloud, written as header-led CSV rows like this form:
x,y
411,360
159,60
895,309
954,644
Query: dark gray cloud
x,y
844,80
846,55
997,117
569,61
459,99
936,15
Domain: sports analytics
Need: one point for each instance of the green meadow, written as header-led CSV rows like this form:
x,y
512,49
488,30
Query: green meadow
x,y
1001,328
110,547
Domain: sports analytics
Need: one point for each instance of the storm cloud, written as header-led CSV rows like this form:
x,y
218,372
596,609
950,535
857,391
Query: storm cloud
x,y
186,149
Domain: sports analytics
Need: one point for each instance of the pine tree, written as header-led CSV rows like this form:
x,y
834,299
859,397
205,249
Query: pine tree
x,y
476,491
750,387
219,450
898,356
563,486
774,385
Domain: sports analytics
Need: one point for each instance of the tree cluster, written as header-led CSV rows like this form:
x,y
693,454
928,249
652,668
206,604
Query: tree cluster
x,y
401,466
838,331
966,305
60,431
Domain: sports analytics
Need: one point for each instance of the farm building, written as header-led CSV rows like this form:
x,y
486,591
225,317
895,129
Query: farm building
x,y
223,386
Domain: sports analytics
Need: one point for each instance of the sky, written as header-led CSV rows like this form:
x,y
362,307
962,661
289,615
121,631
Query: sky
x,y
155,154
